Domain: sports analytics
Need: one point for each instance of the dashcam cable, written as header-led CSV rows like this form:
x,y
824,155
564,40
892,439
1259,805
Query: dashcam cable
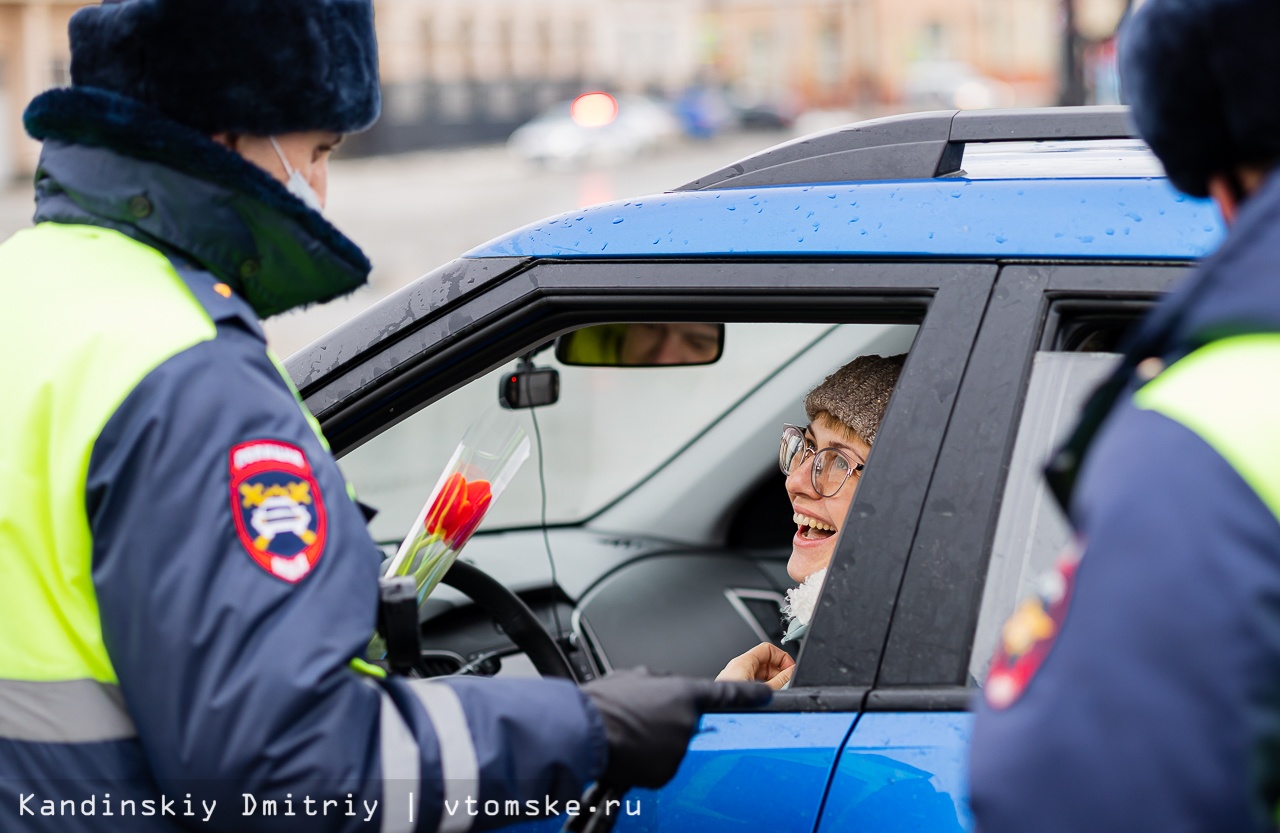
x,y
546,537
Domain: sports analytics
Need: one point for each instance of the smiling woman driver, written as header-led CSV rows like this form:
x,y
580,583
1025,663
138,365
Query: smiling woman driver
x,y
823,462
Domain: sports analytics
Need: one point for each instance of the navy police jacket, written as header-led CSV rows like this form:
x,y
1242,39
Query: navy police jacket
x,y
188,585
1157,702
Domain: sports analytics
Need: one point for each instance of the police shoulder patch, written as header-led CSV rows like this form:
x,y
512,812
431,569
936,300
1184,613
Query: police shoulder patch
x,y
1030,633
277,506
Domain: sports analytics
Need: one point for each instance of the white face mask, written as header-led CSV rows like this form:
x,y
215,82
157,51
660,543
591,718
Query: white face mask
x,y
297,184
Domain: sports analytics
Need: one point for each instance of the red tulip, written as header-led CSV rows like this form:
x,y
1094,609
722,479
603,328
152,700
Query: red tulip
x,y
458,509
447,497
477,503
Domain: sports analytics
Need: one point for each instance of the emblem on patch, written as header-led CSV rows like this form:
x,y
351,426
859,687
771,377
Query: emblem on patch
x,y
1029,634
278,510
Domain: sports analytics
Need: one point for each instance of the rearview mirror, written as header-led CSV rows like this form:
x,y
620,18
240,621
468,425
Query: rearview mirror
x,y
650,344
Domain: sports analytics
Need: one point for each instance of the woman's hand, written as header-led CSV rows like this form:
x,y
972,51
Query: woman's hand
x,y
766,663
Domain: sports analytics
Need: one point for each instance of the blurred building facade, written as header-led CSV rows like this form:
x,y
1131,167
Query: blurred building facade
x,y
485,66
863,53
474,70
34,55
471,70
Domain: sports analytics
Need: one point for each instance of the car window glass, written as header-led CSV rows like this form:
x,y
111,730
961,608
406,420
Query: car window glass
x,y
1031,530
611,429
1058,159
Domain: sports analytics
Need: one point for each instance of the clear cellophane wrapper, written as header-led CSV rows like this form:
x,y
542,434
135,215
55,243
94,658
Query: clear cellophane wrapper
x,y
491,452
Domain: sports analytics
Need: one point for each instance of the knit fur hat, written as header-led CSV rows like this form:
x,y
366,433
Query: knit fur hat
x,y
1203,79
857,394
259,67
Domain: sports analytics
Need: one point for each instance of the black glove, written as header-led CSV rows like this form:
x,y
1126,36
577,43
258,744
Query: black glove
x,y
649,720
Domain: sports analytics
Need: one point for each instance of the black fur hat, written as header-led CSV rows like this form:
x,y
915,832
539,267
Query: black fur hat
x,y
1203,79
261,67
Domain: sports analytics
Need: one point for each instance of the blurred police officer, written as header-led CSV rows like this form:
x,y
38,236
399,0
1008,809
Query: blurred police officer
x,y
187,584
1142,690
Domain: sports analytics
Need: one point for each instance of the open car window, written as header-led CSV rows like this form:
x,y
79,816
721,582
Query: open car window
x,y
671,527
613,429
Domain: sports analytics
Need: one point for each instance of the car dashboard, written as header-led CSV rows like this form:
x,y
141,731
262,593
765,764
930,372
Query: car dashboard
x,y
615,603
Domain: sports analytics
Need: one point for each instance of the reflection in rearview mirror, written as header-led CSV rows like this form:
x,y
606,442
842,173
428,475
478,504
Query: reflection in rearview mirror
x,y
642,345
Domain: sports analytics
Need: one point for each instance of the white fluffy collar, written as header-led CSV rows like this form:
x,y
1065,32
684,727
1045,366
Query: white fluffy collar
x,y
801,600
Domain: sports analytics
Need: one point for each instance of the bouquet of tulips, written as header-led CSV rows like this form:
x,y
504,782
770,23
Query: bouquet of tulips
x,y
491,452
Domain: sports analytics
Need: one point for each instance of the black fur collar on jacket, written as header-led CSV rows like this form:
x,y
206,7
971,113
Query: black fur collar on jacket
x,y
103,152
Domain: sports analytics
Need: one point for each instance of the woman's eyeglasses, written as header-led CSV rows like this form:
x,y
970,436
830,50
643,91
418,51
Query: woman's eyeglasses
x,y
831,467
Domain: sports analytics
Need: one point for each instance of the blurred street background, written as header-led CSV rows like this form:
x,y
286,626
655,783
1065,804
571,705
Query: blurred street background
x,y
484,128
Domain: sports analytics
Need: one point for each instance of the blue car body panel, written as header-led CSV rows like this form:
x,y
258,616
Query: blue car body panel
x,y
743,773
1104,218
902,771
749,772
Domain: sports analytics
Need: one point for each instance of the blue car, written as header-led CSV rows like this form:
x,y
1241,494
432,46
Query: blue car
x,y
1005,252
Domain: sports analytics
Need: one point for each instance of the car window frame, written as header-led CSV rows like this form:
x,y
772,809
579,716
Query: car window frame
x,y
447,347
926,660
859,593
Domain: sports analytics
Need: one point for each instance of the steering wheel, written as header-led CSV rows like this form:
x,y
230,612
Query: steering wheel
x,y
513,616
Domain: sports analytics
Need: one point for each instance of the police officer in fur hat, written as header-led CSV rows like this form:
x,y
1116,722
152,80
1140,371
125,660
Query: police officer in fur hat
x,y
170,651
1141,689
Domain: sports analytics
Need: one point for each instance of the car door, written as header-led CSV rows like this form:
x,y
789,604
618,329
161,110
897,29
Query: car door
x,y
989,528
453,327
